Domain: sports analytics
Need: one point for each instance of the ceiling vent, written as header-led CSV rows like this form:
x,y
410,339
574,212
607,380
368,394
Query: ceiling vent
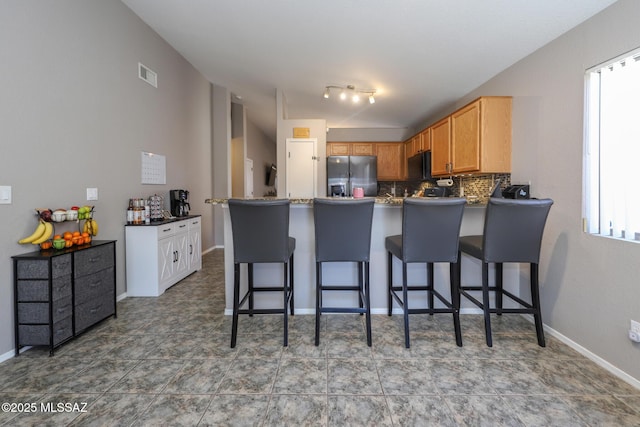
x,y
147,75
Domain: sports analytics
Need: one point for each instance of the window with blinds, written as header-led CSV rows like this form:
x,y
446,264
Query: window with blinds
x,y
612,149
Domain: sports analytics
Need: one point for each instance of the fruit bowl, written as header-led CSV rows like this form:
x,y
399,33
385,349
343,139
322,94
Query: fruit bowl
x,y
72,215
59,243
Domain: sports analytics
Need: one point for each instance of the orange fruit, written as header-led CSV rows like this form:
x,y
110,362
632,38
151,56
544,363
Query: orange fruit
x,y
57,236
67,235
87,239
68,243
85,234
76,233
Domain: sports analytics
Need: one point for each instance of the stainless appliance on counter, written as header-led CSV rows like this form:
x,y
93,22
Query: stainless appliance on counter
x,y
179,203
344,173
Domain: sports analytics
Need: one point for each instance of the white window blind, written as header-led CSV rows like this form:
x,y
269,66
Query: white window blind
x,y
612,159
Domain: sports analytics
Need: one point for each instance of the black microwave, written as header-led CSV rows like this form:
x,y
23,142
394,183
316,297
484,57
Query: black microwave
x,y
419,167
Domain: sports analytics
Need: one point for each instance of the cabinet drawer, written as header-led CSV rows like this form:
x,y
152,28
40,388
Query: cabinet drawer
x,y
38,290
93,259
181,227
194,223
39,334
39,269
37,312
92,312
166,230
92,286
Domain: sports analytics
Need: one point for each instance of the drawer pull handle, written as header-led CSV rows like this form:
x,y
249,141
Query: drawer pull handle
x,y
166,229
94,284
182,226
95,309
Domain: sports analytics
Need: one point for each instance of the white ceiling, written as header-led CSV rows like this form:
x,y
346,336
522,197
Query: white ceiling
x,y
420,55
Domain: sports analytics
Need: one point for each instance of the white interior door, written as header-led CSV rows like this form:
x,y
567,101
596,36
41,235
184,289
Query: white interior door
x,y
301,168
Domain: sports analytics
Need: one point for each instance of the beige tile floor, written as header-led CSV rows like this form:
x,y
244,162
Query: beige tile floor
x,y
167,361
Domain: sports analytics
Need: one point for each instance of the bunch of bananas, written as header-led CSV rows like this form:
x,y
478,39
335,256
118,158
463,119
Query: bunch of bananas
x,y
42,233
90,226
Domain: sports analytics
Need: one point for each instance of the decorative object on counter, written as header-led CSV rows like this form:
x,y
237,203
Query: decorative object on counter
x,y
428,242
358,192
512,233
156,204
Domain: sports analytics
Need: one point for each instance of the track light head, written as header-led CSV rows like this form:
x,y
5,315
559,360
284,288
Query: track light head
x,y
356,93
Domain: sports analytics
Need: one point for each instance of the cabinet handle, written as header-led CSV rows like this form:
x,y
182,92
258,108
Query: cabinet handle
x,y
94,284
190,249
182,226
166,229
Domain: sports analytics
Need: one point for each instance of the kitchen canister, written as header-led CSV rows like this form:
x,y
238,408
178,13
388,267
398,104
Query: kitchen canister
x,y
358,192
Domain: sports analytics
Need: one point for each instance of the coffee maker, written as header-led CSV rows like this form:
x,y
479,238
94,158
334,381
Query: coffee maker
x,y
179,204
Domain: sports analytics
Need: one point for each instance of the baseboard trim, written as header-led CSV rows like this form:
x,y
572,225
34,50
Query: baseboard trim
x,y
589,355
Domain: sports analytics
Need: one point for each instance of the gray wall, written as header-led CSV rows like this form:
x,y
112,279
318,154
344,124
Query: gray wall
x,y
590,286
75,115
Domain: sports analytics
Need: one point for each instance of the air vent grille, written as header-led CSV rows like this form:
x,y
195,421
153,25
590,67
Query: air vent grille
x,y
146,74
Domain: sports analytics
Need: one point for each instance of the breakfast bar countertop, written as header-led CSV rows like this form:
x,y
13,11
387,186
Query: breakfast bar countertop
x,y
393,201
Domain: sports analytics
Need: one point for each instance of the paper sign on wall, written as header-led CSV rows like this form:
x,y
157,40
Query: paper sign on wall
x,y
154,168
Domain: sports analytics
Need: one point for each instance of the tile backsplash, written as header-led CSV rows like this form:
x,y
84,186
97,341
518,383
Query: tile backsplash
x,y
473,186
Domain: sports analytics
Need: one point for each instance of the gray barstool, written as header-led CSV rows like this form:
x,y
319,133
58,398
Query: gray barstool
x,y
430,233
260,231
343,234
512,233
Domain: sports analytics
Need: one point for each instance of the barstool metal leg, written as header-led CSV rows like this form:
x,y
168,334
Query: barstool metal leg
x,y
498,292
389,278
430,287
318,300
367,294
405,305
454,281
285,314
250,286
535,300
360,284
485,303
291,287
236,302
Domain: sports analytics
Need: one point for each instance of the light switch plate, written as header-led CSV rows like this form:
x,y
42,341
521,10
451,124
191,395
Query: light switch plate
x,y
92,194
5,195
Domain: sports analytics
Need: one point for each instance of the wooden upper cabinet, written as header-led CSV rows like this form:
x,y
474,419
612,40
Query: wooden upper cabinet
x,y
425,140
479,136
465,139
362,149
441,147
338,149
391,161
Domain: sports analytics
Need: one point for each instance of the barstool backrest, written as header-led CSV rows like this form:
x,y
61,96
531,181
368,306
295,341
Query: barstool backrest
x,y
513,229
431,229
260,230
343,229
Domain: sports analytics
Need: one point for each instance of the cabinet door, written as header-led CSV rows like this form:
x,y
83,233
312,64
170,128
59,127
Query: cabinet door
x,y
425,140
338,149
391,160
440,147
166,262
195,245
465,139
362,149
181,255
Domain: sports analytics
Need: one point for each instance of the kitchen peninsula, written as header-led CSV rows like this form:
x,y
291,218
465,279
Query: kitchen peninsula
x,y
387,220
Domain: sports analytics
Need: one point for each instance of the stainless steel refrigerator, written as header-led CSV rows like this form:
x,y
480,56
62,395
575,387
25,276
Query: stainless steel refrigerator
x,y
344,173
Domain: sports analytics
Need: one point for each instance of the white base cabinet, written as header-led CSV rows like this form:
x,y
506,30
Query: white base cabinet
x,y
160,255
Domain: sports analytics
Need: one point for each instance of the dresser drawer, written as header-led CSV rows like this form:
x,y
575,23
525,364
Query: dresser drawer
x,y
92,312
37,312
38,290
39,334
93,259
94,285
39,269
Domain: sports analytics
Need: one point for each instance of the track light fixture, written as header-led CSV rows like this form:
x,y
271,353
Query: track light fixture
x,y
352,91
